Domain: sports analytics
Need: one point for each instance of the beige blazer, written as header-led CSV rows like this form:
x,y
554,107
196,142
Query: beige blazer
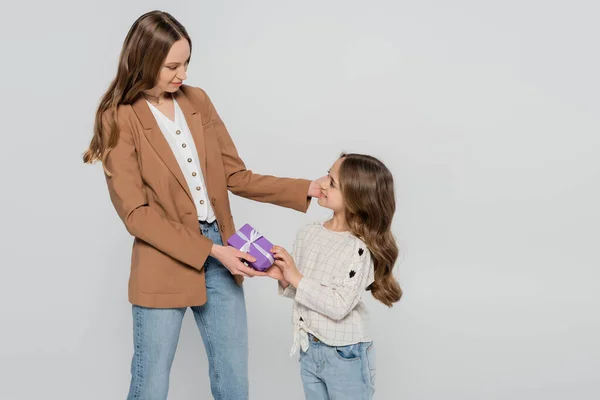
x,y
150,194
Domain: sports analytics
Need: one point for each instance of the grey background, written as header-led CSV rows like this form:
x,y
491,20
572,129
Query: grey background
x,y
486,112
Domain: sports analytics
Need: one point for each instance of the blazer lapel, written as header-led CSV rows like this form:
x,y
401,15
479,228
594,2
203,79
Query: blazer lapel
x,y
158,142
194,121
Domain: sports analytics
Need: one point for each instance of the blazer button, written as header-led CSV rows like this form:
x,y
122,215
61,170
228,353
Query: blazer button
x,y
194,174
198,188
201,201
189,160
178,132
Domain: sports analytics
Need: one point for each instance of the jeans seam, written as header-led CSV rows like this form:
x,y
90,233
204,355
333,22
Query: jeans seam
x,y
138,349
212,355
368,361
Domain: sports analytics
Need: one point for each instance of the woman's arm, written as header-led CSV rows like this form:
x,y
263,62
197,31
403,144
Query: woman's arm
x,y
285,192
128,196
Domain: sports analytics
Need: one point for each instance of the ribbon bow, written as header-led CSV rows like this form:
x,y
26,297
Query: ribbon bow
x,y
254,236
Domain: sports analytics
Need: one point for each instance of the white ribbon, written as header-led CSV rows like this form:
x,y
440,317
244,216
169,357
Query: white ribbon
x,y
254,236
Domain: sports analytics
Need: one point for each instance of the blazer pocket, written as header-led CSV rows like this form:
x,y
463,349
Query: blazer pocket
x,y
154,271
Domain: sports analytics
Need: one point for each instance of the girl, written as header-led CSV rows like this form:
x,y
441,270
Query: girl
x,y
333,264
169,163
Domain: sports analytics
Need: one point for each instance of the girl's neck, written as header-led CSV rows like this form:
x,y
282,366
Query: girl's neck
x,y
337,223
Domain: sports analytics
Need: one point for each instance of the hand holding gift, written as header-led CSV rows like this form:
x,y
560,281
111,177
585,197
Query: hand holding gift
x,y
233,259
249,240
285,262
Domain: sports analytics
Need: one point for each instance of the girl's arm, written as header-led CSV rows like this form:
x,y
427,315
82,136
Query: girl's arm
x,y
336,298
285,289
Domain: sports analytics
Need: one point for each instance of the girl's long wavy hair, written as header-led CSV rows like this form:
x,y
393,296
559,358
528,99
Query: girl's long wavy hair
x,y
368,190
144,51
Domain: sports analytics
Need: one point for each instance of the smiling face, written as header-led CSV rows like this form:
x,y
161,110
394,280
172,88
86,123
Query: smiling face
x,y
332,195
174,69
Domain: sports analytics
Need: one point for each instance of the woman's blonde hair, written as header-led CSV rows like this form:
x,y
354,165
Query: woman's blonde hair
x,y
368,190
144,51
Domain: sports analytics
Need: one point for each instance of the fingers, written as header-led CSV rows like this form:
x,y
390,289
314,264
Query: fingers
x,y
283,259
248,271
239,268
246,257
279,252
287,258
284,256
242,274
274,272
242,255
271,273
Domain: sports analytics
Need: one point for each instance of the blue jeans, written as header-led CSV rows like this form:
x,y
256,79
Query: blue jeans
x,y
338,373
223,327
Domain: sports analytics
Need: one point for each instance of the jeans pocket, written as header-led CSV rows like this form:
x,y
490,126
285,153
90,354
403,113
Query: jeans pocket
x,y
371,359
347,353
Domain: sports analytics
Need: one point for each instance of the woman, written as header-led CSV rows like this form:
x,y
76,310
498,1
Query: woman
x,y
169,162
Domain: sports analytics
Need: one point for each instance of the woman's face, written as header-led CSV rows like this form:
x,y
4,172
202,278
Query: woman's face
x,y
173,71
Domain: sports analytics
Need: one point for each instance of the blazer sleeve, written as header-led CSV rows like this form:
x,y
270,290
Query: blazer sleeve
x,y
128,196
285,192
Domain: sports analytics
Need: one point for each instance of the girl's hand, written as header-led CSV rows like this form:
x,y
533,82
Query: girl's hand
x,y
283,259
274,272
285,262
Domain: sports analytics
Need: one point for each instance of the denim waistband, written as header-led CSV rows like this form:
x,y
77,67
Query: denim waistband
x,y
204,223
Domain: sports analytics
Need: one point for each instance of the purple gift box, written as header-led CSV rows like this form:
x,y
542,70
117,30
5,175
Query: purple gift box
x,y
248,240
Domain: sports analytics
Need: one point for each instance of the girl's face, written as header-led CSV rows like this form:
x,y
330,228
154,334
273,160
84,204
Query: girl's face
x,y
332,196
173,71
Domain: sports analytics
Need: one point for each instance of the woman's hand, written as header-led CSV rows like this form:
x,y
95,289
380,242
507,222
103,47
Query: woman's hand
x,y
231,258
285,262
314,189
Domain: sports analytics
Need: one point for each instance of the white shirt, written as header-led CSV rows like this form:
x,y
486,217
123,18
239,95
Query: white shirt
x,y
337,269
182,144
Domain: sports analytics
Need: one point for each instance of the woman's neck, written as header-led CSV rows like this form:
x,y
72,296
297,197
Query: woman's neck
x,y
155,98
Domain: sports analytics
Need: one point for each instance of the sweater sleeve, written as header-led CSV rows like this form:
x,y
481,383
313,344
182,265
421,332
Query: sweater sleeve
x,y
337,298
290,291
